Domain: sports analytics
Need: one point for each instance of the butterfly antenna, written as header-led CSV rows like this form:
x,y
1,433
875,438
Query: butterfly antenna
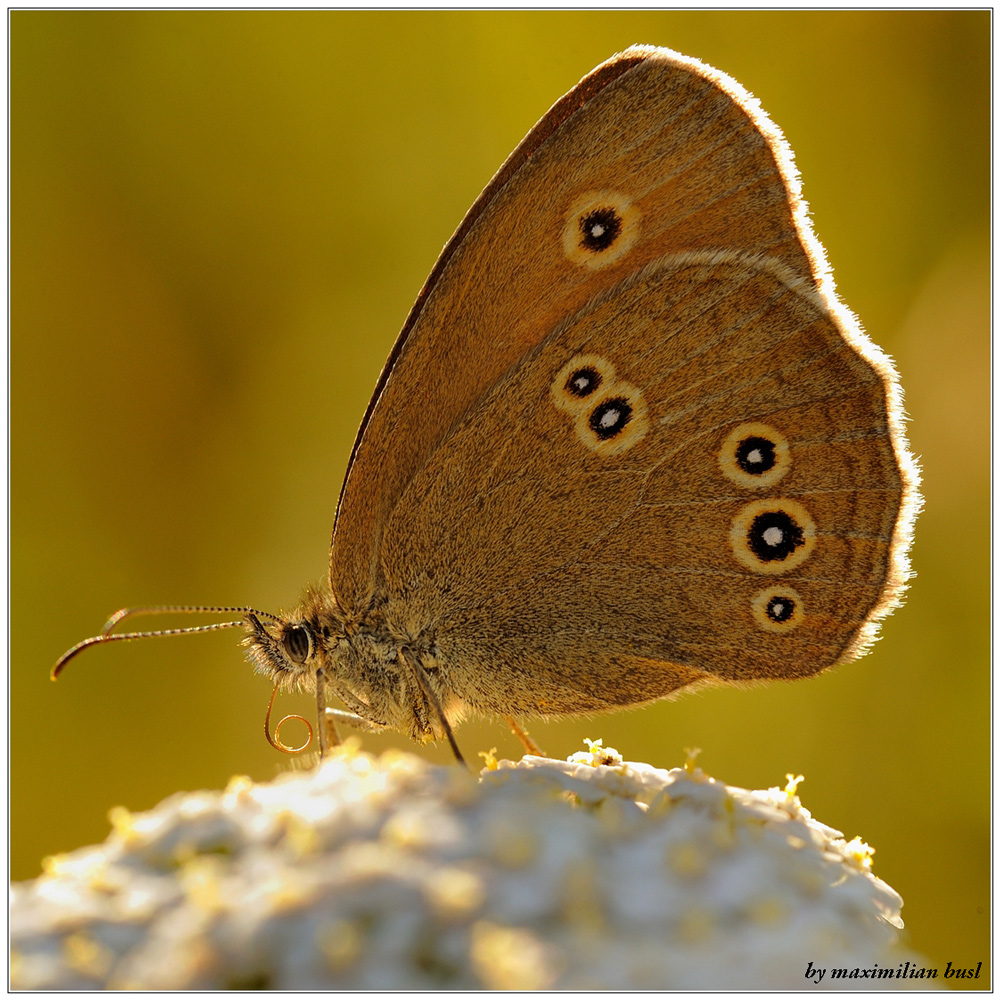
x,y
179,609
108,635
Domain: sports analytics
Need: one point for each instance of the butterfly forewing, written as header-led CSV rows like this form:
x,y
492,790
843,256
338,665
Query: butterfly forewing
x,y
674,149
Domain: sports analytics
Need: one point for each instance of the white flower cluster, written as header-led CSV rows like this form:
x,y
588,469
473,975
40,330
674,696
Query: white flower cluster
x,y
389,873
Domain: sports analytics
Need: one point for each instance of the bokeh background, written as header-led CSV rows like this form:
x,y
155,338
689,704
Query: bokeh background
x,y
219,222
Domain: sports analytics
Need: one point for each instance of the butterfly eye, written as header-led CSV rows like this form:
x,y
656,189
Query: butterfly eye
x,y
298,644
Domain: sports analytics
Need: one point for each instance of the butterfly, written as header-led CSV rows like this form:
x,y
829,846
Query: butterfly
x,y
629,441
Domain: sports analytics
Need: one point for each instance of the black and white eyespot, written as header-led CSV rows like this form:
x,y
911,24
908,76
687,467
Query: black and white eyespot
x,y
579,381
615,421
297,643
772,536
584,382
755,455
778,609
600,227
610,417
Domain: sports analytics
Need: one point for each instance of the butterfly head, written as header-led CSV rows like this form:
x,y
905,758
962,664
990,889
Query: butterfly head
x,y
290,649
284,652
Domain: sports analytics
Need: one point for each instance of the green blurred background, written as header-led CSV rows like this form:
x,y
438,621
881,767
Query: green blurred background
x,y
219,222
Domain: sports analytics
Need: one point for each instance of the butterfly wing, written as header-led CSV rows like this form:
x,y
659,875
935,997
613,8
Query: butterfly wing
x,y
650,154
694,477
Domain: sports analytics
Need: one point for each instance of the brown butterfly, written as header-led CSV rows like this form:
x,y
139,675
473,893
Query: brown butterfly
x,y
629,441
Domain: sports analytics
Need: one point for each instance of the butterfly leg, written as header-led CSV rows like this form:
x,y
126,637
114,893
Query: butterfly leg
x,y
331,716
328,735
406,659
527,742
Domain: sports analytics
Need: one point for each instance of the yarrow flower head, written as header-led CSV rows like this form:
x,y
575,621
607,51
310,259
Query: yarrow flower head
x,y
389,873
